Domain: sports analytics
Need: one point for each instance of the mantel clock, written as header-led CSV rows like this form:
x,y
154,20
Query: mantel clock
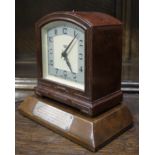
x,y
79,56
79,60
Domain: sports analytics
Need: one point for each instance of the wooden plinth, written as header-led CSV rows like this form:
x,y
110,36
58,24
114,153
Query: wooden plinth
x,y
91,133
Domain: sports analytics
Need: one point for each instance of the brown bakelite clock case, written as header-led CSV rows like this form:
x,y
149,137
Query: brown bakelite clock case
x,y
79,57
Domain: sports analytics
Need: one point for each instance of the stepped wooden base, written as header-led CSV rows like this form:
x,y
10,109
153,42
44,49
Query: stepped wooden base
x,y
91,133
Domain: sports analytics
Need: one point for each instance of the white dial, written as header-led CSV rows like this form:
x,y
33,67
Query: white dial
x,y
63,53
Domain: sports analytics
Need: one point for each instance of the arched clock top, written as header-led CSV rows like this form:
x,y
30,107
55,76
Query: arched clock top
x,y
89,19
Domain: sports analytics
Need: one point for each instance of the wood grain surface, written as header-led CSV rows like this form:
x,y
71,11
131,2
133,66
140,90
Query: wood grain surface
x,y
33,139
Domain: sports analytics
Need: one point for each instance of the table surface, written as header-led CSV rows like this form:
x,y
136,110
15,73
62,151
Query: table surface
x,y
34,139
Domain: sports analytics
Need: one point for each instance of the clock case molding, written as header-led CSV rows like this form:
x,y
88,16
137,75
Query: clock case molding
x,y
102,69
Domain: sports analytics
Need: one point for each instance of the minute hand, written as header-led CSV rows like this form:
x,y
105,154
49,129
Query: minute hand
x,y
64,53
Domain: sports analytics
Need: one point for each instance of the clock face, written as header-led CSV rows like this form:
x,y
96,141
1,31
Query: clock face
x,y
63,54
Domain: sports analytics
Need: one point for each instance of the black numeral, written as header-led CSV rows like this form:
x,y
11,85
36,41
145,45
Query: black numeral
x,y
50,39
51,62
81,43
50,51
75,33
55,31
65,73
81,69
64,30
80,56
74,76
56,70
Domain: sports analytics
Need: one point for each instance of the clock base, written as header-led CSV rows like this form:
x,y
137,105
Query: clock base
x,y
91,133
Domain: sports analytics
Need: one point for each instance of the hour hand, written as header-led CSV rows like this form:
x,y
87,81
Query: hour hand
x,y
68,63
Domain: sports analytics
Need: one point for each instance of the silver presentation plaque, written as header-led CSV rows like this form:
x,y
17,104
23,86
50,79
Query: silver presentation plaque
x,y
53,115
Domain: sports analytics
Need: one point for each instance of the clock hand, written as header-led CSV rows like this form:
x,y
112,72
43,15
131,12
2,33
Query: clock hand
x,y
68,63
64,53
70,49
